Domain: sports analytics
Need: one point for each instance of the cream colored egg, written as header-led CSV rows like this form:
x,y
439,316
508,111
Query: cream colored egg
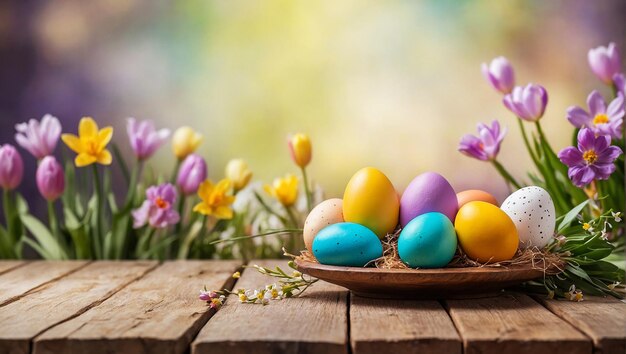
x,y
324,214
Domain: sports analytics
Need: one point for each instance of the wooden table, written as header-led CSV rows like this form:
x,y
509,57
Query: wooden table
x,y
147,307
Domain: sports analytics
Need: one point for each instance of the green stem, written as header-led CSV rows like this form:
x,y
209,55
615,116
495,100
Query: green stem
x,y
98,213
132,187
307,190
181,212
542,136
144,242
52,219
505,174
526,142
9,215
175,173
291,245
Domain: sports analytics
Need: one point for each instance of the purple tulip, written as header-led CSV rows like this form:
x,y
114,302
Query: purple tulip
x,y
39,138
158,208
50,178
604,62
11,167
620,83
602,120
486,145
593,159
500,74
528,103
144,138
193,171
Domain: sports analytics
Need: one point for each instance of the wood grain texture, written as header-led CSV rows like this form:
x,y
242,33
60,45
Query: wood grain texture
x,y
60,300
313,323
19,281
514,323
6,266
602,319
159,313
395,326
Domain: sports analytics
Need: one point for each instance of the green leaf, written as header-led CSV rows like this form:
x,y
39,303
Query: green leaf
x,y
6,246
119,157
44,237
571,216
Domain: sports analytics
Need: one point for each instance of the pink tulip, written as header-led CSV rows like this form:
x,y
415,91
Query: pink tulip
x,y
50,178
11,167
39,138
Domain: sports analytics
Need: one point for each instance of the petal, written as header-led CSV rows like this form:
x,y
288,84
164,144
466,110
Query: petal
x,y
83,160
596,103
571,156
104,136
578,117
205,190
87,128
601,143
223,212
586,139
202,209
609,155
73,142
616,108
105,158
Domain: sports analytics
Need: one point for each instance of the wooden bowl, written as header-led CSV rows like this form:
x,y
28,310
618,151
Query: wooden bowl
x,y
422,283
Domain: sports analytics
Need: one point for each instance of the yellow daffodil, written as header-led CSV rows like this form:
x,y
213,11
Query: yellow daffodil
x,y
215,199
238,172
185,141
90,144
285,189
300,148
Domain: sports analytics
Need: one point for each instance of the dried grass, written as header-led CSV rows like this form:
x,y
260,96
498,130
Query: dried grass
x,y
548,262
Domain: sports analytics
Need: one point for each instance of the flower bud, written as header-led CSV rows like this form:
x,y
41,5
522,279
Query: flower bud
x,y
185,141
50,178
300,148
238,172
193,171
604,62
11,167
528,102
500,74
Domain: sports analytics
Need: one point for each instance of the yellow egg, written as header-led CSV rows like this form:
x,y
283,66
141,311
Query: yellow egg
x,y
485,232
371,200
324,214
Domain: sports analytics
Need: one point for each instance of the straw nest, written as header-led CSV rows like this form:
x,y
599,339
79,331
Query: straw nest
x,y
548,262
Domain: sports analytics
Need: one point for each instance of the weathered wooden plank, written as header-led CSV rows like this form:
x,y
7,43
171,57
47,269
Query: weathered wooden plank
x,y
60,300
23,279
313,323
602,319
396,326
159,313
6,266
513,323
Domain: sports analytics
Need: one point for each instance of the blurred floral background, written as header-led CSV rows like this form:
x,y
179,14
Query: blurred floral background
x,y
391,84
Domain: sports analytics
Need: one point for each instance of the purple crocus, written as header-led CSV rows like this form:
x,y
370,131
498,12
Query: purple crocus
x,y
50,178
39,138
604,62
193,171
158,208
593,159
11,167
528,103
602,120
144,138
500,74
486,145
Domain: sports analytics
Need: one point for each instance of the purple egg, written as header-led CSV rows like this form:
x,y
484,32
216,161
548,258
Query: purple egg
x,y
428,192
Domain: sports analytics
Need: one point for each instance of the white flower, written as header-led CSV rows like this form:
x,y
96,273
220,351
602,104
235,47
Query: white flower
x,y
617,216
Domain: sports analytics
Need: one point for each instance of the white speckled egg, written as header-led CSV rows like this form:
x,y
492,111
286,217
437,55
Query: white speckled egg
x,y
532,211
324,214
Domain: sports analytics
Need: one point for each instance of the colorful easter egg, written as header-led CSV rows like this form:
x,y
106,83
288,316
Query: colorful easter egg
x,y
324,214
371,200
485,232
428,192
346,244
532,212
428,241
473,195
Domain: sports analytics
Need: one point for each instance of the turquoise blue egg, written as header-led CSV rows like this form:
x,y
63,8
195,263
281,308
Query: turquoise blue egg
x,y
428,241
346,244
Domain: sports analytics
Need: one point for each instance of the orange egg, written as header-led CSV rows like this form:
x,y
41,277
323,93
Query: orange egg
x,y
475,195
